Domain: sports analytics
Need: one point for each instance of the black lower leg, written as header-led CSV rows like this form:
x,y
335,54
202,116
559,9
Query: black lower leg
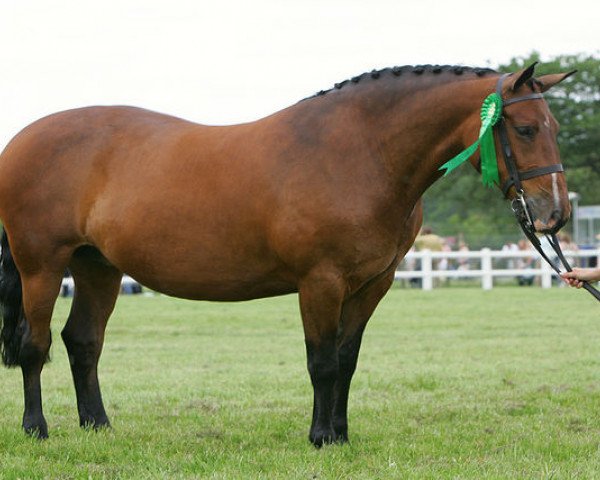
x,y
323,369
32,361
83,358
348,358
89,399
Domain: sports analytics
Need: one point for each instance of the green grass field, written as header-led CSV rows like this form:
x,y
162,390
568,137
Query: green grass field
x,y
454,383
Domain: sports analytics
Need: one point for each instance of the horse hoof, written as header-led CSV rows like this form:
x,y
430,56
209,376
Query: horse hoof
x,y
341,437
102,426
322,437
90,423
341,432
36,429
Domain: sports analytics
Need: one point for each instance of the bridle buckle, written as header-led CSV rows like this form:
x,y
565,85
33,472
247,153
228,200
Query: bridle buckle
x,y
520,209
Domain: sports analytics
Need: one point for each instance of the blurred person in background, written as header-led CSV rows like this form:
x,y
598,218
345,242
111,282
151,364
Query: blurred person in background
x,y
428,240
525,263
510,246
568,245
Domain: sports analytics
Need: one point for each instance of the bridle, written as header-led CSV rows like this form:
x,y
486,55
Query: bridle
x,y
519,203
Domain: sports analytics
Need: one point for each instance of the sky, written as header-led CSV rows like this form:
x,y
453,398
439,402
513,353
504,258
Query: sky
x,y
224,62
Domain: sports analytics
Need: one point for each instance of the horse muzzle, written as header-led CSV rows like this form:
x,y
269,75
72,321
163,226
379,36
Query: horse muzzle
x,y
546,215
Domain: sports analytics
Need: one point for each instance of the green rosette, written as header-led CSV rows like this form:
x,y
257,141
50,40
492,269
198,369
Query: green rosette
x,y
491,110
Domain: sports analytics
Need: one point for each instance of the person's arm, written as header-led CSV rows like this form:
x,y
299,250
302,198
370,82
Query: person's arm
x,y
580,275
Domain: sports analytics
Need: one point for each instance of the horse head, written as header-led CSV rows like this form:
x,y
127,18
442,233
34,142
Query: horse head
x,y
526,134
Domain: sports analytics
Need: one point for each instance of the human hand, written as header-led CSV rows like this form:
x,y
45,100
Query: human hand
x,y
580,275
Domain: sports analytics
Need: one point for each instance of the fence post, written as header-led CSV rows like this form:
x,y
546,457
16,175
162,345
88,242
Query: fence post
x,y
487,280
427,269
546,275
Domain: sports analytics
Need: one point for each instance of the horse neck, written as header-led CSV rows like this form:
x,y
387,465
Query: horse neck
x,y
418,127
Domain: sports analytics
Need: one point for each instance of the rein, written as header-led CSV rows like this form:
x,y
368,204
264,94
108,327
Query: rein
x,y
519,204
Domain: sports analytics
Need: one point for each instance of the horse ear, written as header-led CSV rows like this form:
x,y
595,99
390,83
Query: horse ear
x,y
546,82
522,76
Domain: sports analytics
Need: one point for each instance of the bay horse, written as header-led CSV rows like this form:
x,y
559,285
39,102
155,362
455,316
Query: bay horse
x,y
321,198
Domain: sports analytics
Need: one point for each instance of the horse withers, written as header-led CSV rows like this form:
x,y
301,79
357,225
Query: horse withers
x,y
321,198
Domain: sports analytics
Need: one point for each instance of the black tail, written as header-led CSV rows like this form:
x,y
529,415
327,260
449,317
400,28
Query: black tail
x,y
11,308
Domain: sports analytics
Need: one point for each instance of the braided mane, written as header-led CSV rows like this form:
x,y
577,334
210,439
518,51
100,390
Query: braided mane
x,y
406,69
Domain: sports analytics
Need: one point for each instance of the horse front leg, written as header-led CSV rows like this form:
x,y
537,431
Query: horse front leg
x,y
321,296
347,361
356,312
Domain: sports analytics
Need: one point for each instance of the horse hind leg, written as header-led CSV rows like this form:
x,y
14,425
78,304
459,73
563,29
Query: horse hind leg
x,y
97,285
40,291
26,334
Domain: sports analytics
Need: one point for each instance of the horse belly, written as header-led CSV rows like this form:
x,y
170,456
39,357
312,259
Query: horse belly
x,y
198,263
216,281
231,289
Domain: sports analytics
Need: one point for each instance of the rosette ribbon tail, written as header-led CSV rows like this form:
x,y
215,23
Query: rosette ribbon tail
x,y
460,158
491,109
489,162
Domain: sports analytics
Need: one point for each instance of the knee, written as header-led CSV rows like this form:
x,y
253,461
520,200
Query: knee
x,y
323,371
323,362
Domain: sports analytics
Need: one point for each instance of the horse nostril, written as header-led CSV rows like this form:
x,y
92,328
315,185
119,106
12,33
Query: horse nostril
x,y
560,220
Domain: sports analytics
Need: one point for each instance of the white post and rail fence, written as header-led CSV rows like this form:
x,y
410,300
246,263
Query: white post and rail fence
x,y
484,264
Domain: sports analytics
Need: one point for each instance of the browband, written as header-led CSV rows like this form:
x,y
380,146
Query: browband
x,y
531,96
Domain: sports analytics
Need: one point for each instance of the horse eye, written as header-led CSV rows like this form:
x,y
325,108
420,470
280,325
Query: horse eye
x,y
526,131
